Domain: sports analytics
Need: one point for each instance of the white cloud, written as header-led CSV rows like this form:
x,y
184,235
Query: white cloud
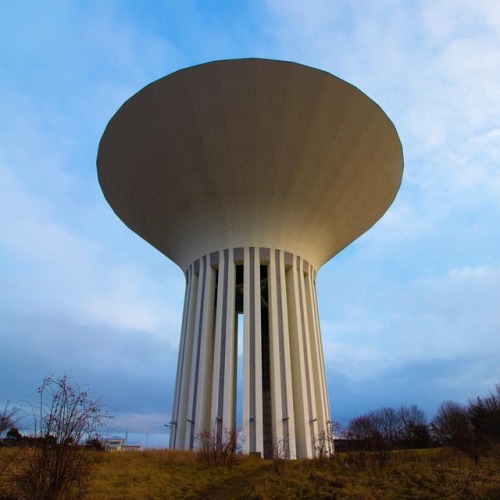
x,y
50,215
66,272
445,19
139,422
454,316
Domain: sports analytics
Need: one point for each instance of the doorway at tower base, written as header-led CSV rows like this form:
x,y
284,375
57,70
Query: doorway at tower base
x,y
285,397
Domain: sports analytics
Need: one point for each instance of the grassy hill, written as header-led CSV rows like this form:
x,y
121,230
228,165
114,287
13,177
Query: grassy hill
x,y
419,474
437,473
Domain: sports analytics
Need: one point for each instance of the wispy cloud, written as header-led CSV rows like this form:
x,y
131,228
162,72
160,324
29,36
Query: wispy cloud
x,y
434,320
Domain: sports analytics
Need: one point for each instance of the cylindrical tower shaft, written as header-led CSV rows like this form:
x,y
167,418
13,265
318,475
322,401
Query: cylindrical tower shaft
x,y
284,401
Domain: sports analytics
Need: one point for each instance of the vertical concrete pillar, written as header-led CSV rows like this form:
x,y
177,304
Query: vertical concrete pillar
x,y
252,425
178,426
180,363
225,356
300,363
191,424
205,370
310,368
283,418
325,426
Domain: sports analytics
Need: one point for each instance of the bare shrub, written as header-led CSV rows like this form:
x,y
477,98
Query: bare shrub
x,y
453,425
8,419
323,446
219,450
485,415
362,438
403,427
56,464
281,453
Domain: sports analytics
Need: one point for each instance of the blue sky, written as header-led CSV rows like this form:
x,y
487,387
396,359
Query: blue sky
x,y
410,312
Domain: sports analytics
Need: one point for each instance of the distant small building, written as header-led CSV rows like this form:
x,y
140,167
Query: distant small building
x,y
131,446
117,443
114,443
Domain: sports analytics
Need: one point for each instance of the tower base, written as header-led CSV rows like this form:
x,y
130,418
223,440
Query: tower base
x,y
284,399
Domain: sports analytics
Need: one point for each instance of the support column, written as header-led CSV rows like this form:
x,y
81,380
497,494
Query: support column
x,y
225,356
178,426
321,363
206,326
180,362
310,365
302,402
252,355
283,418
191,424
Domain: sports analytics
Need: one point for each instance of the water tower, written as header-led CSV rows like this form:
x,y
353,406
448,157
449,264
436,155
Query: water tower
x,y
250,174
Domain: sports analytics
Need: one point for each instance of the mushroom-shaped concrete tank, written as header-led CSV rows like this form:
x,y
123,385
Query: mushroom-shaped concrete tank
x,y
250,174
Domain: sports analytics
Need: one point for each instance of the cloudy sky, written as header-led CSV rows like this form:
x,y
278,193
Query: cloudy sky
x,y
410,312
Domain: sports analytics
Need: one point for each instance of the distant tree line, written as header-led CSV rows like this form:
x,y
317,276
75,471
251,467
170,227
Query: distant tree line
x,y
473,428
392,428
14,438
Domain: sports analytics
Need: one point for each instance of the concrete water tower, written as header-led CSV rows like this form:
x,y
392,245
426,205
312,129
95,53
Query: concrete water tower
x,y
250,174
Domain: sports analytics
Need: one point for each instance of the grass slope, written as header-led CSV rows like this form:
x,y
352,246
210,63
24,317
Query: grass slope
x,y
425,474
416,474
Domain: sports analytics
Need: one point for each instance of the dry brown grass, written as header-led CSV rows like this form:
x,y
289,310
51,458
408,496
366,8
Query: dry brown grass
x,y
162,475
424,474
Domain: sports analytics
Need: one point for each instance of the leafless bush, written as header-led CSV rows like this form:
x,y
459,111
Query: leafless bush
x,y
403,427
281,453
485,415
453,425
57,465
382,430
362,439
8,419
219,450
323,446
